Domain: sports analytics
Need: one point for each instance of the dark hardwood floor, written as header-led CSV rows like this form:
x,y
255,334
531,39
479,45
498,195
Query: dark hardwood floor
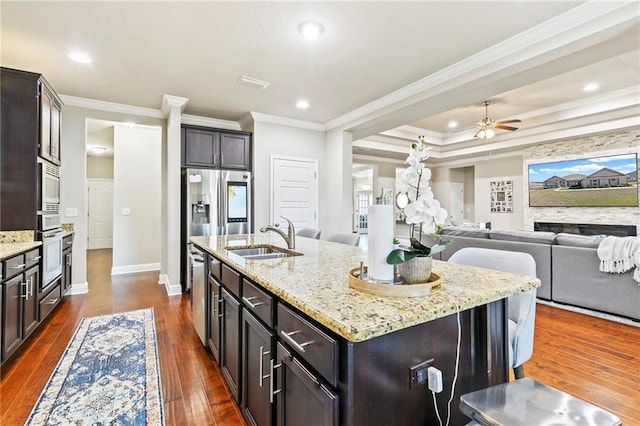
x,y
192,385
594,359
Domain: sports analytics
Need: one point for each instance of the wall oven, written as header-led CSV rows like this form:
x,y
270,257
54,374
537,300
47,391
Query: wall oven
x,y
48,187
52,256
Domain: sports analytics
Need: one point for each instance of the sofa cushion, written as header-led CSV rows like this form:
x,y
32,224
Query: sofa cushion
x,y
575,240
523,236
466,232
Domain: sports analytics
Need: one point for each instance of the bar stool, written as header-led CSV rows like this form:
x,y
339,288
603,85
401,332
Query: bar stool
x,y
525,402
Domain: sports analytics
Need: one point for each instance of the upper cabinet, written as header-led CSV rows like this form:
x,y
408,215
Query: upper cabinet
x,y
50,118
212,148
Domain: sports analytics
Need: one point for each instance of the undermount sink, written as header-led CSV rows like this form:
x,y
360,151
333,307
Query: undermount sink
x,y
261,252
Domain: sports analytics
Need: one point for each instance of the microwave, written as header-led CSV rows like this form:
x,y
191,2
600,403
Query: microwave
x,y
48,187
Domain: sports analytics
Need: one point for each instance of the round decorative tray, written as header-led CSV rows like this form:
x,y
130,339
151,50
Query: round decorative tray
x,y
393,290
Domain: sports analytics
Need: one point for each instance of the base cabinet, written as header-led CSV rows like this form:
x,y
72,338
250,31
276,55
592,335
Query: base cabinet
x,y
215,303
302,399
30,300
12,321
257,352
230,342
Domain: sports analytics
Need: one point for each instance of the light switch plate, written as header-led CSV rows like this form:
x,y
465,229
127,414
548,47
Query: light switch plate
x,y
126,211
71,212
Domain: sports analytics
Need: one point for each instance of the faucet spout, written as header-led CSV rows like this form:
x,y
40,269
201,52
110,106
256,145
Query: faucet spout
x,y
289,237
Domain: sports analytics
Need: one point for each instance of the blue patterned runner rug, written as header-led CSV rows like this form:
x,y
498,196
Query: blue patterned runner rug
x,y
108,375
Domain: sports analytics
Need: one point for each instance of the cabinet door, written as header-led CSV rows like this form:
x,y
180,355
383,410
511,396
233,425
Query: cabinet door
x,y
235,151
230,342
256,356
30,287
201,147
55,132
302,399
67,264
46,101
12,321
215,303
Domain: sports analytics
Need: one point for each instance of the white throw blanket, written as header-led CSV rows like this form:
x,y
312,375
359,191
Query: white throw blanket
x,y
620,254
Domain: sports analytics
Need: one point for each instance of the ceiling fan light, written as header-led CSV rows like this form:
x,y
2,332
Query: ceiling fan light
x,y
489,133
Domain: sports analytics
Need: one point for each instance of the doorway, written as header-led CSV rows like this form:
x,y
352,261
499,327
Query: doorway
x,y
100,213
295,191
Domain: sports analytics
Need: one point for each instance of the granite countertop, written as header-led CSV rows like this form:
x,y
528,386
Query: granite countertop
x,y
317,284
14,242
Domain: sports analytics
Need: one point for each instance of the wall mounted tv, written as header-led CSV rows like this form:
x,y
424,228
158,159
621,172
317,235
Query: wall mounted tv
x,y
610,181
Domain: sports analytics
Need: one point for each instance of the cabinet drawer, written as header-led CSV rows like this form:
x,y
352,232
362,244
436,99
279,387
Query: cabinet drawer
x,y
214,267
231,280
314,346
258,302
50,301
32,258
14,266
67,242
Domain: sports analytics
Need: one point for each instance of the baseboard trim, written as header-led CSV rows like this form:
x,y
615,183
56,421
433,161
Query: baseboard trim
x,y
77,288
590,312
172,290
131,269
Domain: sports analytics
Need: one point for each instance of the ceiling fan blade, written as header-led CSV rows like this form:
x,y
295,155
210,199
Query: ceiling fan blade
x,y
509,121
500,126
478,132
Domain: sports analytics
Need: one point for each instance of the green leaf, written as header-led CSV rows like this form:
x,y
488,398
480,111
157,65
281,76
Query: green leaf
x,y
420,248
439,247
398,256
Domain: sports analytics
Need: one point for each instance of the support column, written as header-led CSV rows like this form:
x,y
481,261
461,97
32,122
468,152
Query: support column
x,y
338,182
172,107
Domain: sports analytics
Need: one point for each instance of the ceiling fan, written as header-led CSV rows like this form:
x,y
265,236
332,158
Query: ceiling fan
x,y
487,125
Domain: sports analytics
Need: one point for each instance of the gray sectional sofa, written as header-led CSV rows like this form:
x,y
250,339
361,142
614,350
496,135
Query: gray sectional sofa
x,y
567,265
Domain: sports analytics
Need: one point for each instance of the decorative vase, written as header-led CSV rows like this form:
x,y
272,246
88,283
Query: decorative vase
x,y
416,270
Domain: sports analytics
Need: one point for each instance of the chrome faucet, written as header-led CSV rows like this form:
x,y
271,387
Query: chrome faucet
x,y
289,237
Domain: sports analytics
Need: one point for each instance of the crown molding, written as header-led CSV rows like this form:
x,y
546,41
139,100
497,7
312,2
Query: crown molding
x,y
111,107
170,101
217,123
274,119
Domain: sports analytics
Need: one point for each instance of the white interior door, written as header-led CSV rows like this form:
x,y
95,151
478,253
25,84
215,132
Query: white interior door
x,y
456,202
294,194
100,211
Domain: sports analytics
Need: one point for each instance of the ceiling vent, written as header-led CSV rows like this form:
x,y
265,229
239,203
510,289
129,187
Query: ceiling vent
x,y
250,81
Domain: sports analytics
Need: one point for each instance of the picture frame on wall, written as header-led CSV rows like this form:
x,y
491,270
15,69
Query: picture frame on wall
x,y
501,196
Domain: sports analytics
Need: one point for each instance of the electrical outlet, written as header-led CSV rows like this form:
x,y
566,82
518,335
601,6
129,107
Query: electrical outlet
x,y
419,373
435,379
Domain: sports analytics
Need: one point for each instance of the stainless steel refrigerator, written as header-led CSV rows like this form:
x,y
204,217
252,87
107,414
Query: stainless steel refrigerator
x,y
214,202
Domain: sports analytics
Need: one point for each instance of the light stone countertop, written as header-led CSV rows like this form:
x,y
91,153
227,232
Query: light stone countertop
x,y
317,284
10,249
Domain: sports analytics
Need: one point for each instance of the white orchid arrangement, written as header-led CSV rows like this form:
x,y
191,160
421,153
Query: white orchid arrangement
x,y
418,206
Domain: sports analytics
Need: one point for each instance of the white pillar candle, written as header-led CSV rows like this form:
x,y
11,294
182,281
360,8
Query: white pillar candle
x,y
380,241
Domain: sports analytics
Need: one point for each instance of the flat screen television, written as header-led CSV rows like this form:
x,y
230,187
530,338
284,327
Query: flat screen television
x,y
610,181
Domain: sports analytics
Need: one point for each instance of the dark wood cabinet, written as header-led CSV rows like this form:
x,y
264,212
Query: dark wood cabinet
x,y
230,342
212,148
12,320
257,353
67,262
31,284
29,127
302,398
215,310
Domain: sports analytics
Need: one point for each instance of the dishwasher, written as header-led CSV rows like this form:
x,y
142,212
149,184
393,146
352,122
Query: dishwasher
x,y
198,281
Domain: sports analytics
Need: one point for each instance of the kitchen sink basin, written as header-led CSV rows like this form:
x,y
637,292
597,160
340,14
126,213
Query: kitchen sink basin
x,y
261,252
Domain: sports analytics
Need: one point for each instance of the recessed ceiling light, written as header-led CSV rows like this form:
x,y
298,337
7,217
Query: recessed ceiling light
x,y
80,57
591,87
245,79
98,149
310,30
453,124
302,104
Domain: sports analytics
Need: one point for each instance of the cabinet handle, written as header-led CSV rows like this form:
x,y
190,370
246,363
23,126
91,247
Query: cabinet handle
x,y
25,296
18,266
272,389
298,346
215,304
52,302
30,289
262,376
220,306
35,259
247,301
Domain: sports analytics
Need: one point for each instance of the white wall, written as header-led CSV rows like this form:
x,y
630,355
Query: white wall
x,y
509,168
277,139
337,184
137,187
73,177
99,167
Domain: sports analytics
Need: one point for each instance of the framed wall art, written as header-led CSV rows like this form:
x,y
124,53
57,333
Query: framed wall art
x,y
502,196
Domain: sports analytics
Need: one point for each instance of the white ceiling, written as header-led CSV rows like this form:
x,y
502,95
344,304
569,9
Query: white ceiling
x,y
369,51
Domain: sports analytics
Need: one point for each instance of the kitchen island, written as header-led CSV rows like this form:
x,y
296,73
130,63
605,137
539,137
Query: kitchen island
x,y
365,355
